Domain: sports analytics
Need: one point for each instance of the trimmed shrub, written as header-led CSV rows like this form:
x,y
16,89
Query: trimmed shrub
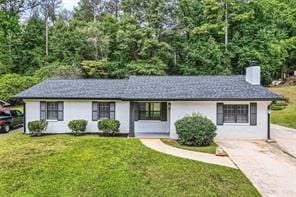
x,y
77,126
109,126
195,130
36,127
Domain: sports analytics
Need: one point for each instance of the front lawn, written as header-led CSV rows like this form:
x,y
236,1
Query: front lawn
x,y
64,165
287,116
205,149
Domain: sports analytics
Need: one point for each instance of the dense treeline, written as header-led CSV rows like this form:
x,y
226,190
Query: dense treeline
x,y
115,39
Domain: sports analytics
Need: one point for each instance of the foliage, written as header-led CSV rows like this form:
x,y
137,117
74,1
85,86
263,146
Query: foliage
x,y
195,130
115,39
108,164
109,126
30,49
103,69
77,126
59,70
11,84
37,127
3,69
146,68
68,44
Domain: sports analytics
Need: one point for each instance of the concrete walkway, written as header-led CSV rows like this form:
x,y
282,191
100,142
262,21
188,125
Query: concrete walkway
x,y
271,171
285,138
158,145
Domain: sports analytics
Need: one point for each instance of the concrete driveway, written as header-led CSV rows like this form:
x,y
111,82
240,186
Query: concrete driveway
x,y
285,138
13,130
272,171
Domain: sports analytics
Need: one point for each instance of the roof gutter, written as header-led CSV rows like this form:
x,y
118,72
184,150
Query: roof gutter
x,y
158,99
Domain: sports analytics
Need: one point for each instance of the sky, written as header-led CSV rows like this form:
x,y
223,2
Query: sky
x,y
69,4
66,4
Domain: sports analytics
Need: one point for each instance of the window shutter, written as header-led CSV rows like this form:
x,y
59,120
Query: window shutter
x,y
60,111
164,111
253,113
220,114
42,110
112,110
95,111
136,110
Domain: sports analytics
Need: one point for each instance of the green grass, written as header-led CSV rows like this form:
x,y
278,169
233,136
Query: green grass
x,y
287,116
205,149
64,165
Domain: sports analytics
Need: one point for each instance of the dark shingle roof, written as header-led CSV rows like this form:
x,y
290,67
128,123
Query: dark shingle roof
x,y
152,88
195,88
82,88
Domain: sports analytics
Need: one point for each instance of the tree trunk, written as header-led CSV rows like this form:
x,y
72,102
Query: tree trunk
x,y
96,48
46,34
10,49
96,38
116,8
226,26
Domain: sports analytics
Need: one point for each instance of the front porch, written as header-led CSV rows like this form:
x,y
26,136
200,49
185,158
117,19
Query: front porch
x,y
150,119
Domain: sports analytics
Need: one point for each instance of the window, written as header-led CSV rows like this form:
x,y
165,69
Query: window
x,y
51,110
103,110
18,113
4,113
149,111
236,113
13,113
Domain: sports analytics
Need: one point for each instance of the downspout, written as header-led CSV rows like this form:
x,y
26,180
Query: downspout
x,y
169,117
268,121
24,112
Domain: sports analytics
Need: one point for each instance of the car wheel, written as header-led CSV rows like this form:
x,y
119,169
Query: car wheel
x,y
6,128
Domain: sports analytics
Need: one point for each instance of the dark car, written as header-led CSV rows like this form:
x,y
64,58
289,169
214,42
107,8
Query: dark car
x,y
10,118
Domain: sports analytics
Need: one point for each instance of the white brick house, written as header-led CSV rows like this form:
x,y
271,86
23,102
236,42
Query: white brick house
x,y
150,105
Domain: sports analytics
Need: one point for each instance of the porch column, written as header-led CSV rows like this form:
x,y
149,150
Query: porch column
x,y
268,121
132,120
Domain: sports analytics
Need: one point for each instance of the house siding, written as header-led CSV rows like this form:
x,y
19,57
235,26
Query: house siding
x,y
227,130
77,109
152,126
82,109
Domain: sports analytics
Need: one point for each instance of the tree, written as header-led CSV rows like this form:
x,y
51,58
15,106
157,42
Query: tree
x,y
11,84
154,67
58,70
30,49
67,44
103,69
95,36
121,38
90,10
49,8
